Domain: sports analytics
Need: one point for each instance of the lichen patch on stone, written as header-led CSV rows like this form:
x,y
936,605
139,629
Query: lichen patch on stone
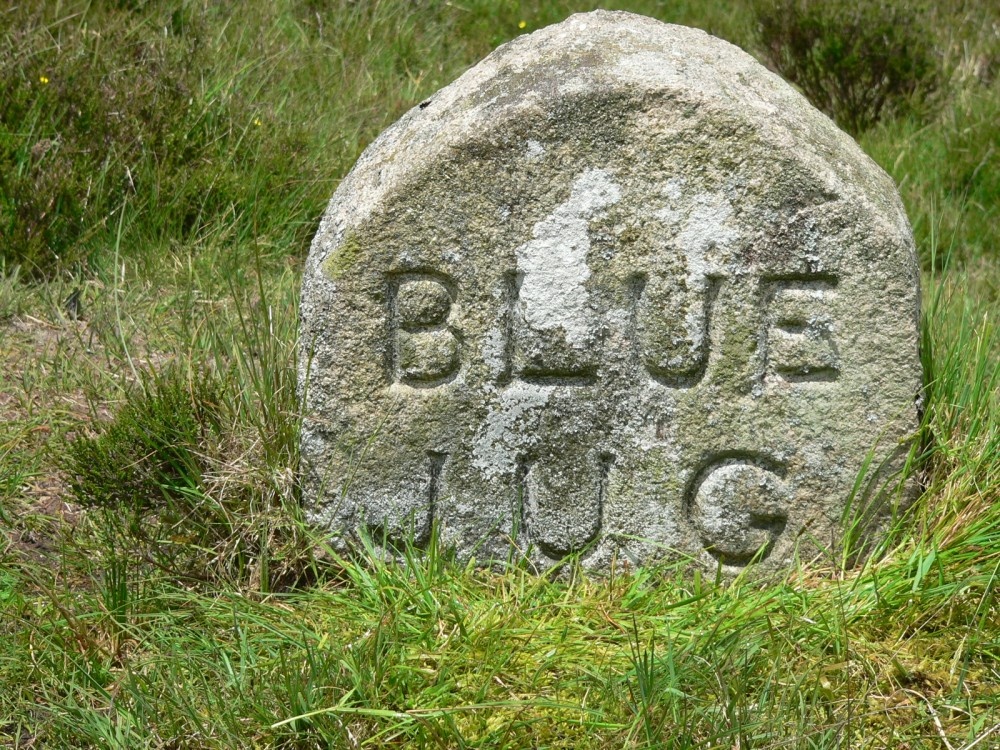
x,y
552,265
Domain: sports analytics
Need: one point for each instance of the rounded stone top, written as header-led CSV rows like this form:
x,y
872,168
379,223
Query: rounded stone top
x,y
617,291
617,56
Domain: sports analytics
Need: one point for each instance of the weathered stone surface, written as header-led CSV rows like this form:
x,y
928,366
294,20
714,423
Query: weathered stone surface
x,y
618,290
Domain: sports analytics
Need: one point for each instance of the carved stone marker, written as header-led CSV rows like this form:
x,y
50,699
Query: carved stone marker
x,y
616,291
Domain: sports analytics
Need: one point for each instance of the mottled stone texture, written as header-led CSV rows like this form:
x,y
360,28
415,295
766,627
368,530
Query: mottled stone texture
x,y
616,291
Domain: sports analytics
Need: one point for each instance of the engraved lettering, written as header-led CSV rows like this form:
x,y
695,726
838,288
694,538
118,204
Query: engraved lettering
x,y
673,328
555,334
737,502
436,462
562,500
409,515
798,340
424,351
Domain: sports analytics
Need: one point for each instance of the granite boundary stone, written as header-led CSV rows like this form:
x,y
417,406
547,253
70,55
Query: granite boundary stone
x,y
619,292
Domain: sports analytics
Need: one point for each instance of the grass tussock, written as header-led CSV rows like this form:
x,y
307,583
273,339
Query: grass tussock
x,y
856,61
163,167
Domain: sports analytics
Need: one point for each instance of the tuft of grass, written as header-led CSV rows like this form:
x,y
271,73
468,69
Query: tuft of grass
x,y
156,451
195,473
856,61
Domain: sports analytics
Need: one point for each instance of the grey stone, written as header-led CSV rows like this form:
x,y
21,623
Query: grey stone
x,y
617,291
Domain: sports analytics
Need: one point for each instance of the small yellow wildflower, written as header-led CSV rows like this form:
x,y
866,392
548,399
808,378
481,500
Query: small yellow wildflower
x,y
256,121
522,24
43,80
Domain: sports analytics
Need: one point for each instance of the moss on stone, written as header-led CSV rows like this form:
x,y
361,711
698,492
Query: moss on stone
x,y
343,258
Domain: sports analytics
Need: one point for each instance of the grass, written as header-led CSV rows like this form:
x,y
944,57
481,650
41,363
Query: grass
x,y
168,176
